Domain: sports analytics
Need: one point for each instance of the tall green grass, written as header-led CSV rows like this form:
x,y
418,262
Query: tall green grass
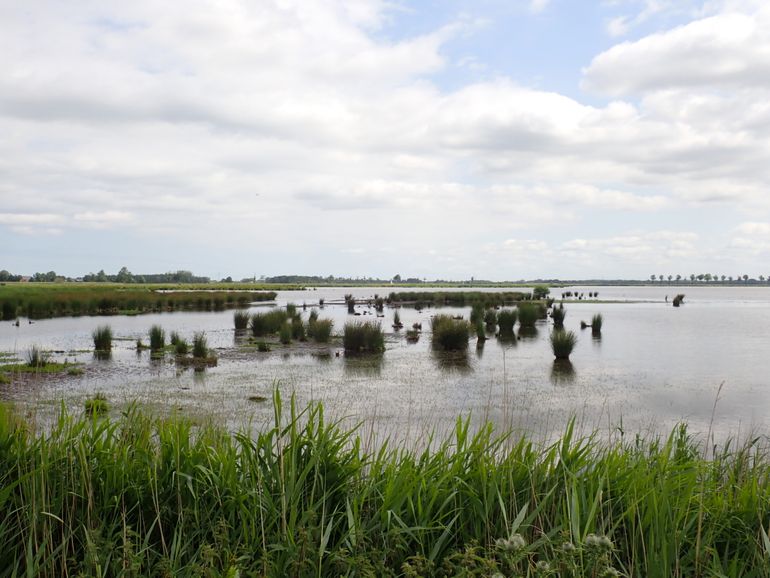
x,y
102,337
449,334
363,337
131,495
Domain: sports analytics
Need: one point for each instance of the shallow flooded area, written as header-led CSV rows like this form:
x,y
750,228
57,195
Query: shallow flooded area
x,y
653,366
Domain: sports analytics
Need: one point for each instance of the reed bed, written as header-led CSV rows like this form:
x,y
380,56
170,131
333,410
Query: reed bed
x,y
363,337
181,347
459,298
449,334
43,300
37,357
131,495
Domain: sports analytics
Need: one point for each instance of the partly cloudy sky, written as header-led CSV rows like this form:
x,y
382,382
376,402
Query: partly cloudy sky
x,y
500,139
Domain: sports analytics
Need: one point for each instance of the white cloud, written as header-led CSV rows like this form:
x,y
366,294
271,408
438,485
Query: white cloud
x,y
729,49
537,6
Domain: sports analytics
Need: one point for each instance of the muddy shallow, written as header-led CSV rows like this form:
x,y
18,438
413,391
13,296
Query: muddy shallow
x,y
653,367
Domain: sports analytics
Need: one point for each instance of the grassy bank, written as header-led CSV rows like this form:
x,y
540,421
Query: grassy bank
x,y
131,495
41,300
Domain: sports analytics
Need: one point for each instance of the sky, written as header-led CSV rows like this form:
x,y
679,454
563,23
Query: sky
x,y
495,139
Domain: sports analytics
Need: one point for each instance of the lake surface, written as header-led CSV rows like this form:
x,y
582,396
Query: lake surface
x,y
654,366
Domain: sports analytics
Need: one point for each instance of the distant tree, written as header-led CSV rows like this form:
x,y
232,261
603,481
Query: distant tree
x,y
124,276
540,292
678,278
652,278
397,278
745,278
730,278
707,277
762,278
723,278
669,279
692,277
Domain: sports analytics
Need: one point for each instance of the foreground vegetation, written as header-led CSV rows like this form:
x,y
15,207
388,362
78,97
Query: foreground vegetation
x,y
132,495
42,300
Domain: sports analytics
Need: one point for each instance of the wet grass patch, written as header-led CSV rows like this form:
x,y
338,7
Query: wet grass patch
x,y
562,343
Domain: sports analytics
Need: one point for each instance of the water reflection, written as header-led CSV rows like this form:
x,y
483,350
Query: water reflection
x,y
562,372
364,364
528,332
596,339
507,339
103,355
452,361
480,348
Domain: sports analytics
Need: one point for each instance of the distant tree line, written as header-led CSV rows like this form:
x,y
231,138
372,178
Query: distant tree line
x,y
6,276
710,278
125,276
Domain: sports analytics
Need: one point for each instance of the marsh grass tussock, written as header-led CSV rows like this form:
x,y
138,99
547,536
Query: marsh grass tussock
x,y
596,324
157,338
102,337
267,322
285,333
558,314
322,330
200,347
241,319
449,334
36,357
562,343
363,337
529,313
678,300
181,347
506,319
306,497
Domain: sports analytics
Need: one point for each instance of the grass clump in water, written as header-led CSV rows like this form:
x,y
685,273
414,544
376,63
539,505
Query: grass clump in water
x,y
97,405
363,337
506,319
263,347
291,310
562,343
181,347
322,330
558,314
200,348
267,323
173,337
528,314
596,324
157,338
298,329
241,319
36,357
285,333
449,334
102,337
490,319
